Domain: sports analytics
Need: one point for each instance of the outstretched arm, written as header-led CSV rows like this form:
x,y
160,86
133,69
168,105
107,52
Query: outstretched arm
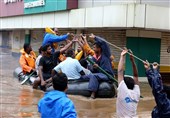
x,y
157,87
149,72
67,46
120,66
135,71
55,38
105,47
85,46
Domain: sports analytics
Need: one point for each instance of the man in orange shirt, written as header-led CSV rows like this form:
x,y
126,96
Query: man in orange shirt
x,y
27,62
27,59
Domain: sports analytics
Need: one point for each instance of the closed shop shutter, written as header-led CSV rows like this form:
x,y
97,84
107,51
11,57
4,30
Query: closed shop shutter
x,y
36,39
165,54
165,44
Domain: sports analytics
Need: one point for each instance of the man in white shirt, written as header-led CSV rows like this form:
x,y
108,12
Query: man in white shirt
x,y
38,59
128,90
71,67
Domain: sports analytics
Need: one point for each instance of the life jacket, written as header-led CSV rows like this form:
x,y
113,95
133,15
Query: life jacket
x,y
27,61
62,57
78,55
88,50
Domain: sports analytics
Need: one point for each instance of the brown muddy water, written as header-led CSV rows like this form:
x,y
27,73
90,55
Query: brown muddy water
x,y
18,101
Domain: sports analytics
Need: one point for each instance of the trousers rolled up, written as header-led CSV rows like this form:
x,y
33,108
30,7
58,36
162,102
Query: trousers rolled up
x,y
94,80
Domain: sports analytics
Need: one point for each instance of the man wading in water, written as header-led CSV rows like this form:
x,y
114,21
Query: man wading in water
x,y
128,90
162,108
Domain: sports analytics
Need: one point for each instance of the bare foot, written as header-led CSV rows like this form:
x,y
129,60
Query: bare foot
x,y
93,95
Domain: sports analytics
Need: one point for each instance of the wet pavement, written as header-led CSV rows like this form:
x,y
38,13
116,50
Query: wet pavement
x,y
18,101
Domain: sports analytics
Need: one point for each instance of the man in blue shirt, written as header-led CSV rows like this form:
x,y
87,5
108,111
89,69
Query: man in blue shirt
x,y
51,38
162,108
56,104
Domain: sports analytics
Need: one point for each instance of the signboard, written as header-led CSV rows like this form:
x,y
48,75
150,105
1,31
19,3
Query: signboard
x,y
21,7
11,1
34,4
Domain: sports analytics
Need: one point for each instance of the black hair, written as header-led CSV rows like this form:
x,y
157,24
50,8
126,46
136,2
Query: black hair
x,y
98,45
70,53
60,81
83,63
45,47
130,83
26,45
40,49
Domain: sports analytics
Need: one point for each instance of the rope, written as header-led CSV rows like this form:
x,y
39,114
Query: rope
x,y
122,50
128,52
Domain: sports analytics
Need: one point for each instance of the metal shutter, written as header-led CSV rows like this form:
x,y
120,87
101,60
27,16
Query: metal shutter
x,y
165,43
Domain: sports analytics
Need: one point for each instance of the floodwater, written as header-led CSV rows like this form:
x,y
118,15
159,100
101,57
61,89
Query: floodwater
x,y
18,101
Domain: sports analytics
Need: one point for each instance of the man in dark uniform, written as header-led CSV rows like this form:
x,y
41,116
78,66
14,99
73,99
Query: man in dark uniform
x,y
101,59
162,108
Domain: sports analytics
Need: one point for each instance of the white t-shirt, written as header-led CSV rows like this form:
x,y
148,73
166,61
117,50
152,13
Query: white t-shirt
x,y
71,67
127,101
37,62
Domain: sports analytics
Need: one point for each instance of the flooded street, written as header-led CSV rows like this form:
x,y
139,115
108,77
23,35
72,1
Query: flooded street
x,y
18,101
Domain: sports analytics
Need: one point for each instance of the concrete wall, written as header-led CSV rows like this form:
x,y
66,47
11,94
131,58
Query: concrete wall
x,y
10,9
0,38
157,17
96,3
114,16
164,3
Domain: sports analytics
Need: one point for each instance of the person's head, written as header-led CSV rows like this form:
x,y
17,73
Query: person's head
x,y
40,50
111,57
56,31
27,48
60,82
79,49
130,83
83,63
70,53
61,45
47,49
97,48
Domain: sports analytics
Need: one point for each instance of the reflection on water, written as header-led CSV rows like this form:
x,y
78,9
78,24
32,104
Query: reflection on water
x,y
21,101
106,108
18,101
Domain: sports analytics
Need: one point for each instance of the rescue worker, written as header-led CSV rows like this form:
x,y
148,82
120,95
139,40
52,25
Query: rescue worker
x,y
162,108
27,62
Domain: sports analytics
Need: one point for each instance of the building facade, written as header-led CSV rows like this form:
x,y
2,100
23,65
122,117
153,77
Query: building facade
x,y
141,25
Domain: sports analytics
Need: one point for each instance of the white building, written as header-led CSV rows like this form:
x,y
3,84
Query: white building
x,y
141,25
